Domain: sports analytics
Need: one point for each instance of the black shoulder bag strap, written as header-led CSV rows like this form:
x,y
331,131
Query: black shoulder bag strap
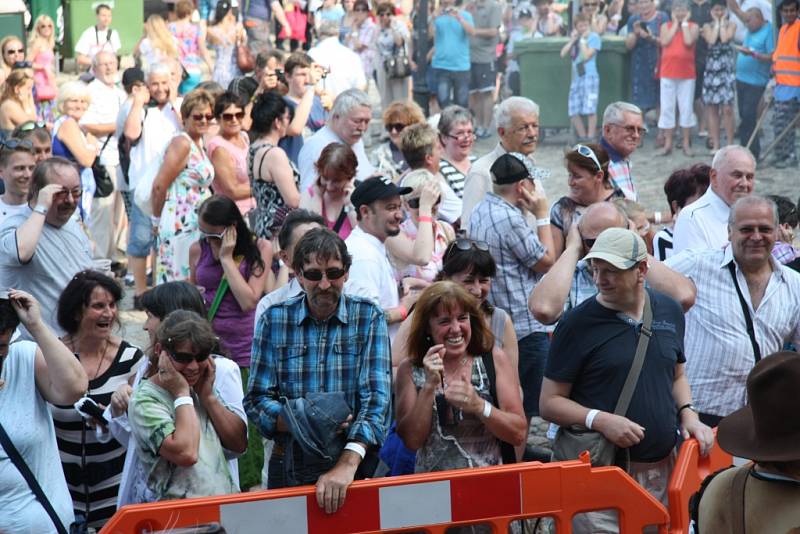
x,y
507,452
747,319
340,221
638,361
26,473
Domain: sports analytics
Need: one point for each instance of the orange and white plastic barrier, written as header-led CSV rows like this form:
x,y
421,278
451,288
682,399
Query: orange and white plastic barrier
x,y
432,501
689,472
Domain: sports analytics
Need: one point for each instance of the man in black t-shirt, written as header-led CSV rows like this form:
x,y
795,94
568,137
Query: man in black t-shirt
x,y
592,350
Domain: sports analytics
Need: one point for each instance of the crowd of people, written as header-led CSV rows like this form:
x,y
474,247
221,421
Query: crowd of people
x,y
321,309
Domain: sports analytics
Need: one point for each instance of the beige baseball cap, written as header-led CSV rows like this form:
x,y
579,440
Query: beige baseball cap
x,y
620,247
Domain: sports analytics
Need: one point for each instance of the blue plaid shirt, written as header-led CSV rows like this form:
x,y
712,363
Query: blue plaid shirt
x,y
295,354
516,248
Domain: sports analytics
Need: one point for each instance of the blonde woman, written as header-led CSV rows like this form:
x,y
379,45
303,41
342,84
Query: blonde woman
x,y
11,51
41,54
157,44
71,142
16,103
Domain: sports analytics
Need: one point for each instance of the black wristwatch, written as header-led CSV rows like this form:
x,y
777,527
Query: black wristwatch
x,y
689,406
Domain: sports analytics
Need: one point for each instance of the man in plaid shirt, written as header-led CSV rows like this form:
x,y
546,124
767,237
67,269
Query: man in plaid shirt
x,y
321,341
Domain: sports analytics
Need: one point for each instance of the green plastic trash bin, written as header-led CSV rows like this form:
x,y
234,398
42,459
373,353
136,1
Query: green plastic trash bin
x,y
13,24
545,76
127,19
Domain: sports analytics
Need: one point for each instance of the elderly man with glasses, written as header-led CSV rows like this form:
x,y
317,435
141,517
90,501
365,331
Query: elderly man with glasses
x,y
42,247
623,129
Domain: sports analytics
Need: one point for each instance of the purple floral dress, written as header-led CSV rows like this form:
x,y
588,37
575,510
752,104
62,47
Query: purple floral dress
x,y
178,228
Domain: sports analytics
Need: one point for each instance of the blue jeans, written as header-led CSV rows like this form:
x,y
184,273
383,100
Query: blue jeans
x,y
533,350
140,233
454,81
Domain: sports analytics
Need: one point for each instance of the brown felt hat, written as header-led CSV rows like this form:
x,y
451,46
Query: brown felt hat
x,y
768,428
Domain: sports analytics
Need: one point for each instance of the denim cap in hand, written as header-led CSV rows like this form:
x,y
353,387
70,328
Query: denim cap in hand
x,y
376,188
512,167
620,247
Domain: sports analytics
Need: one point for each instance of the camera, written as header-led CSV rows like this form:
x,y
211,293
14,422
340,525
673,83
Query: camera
x,y
89,409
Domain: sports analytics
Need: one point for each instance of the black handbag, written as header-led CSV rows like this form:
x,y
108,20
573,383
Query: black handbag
x,y
104,186
398,65
571,441
78,527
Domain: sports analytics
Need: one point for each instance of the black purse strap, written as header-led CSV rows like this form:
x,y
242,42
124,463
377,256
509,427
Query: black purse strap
x,y
751,331
638,361
25,471
340,220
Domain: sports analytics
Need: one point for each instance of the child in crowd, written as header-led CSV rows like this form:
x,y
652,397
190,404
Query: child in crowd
x,y
584,90
526,29
546,20
330,10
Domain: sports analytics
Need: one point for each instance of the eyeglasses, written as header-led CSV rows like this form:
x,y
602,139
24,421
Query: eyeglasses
x,y
74,193
230,116
588,243
464,136
315,275
14,144
587,152
361,10
45,25
386,14
199,117
31,125
396,127
18,51
187,357
414,202
633,130
209,235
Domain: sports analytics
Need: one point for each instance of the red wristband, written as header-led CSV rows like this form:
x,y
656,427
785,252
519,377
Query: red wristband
x,y
403,313
426,218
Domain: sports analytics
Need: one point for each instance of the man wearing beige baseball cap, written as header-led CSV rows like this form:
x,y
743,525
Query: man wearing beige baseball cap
x,y
592,354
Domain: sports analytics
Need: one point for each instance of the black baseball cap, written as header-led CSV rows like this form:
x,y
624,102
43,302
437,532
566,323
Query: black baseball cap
x,y
525,12
511,168
376,188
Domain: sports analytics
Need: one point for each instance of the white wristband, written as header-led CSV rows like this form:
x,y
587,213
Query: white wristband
x,y
183,401
590,418
356,448
487,409
543,222
657,217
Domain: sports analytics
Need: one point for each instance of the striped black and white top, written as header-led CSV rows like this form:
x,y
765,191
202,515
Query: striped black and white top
x,y
454,177
92,467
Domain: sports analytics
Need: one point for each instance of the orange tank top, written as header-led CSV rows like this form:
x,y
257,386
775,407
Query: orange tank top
x,y
677,59
786,58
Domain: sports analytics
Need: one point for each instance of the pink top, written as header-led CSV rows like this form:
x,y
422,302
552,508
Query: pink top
x,y
239,156
677,59
44,79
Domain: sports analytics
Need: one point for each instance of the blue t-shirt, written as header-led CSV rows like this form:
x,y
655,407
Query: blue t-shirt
x,y
452,43
590,67
749,69
316,120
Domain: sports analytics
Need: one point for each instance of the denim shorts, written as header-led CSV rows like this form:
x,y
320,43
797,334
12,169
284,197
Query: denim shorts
x,y
140,237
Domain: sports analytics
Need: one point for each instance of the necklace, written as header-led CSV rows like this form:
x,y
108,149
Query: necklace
x,y
102,357
445,379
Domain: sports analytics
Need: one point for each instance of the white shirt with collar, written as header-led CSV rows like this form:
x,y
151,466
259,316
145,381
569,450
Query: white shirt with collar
x,y
313,147
371,274
104,108
703,224
344,65
719,354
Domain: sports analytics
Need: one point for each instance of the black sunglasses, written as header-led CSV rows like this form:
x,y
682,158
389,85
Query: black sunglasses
x,y
448,415
31,125
588,243
396,127
315,275
199,117
230,116
187,357
414,202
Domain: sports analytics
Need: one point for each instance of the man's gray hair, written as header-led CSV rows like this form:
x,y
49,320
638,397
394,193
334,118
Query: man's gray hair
x,y
753,200
348,100
98,56
505,110
722,154
328,28
615,112
158,68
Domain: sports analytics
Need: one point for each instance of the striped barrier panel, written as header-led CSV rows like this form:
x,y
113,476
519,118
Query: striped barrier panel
x,y
431,502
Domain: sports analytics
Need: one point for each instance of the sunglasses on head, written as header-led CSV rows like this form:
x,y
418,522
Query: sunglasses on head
x,y
22,65
463,244
414,202
187,357
230,116
31,125
315,275
587,152
13,144
210,235
199,117
395,127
